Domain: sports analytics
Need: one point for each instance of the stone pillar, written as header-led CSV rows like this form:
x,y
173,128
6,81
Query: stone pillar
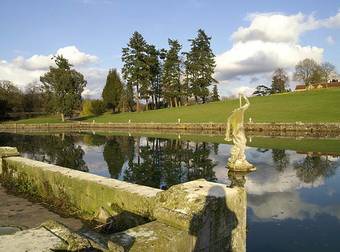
x,y
7,152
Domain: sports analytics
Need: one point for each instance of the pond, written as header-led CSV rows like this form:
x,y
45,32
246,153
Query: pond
x,y
293,196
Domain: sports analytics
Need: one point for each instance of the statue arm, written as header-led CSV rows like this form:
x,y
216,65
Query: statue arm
x,y
246,105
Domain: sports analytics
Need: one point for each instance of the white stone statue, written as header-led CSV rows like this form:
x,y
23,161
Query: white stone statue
x,y
237,161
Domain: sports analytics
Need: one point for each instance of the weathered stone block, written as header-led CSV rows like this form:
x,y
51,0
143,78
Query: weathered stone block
x,y
153,236
86,194
212,213
7,152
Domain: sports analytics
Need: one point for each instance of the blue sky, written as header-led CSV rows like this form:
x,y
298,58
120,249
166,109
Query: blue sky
x,y
98,29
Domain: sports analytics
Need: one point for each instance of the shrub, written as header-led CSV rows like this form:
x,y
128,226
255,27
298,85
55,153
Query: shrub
x,y
98,107
93,107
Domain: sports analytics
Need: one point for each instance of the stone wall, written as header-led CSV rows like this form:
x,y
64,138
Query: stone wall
x,y
216,127
193,216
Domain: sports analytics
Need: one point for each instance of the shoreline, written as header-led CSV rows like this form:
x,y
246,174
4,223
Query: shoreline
x,y
264,129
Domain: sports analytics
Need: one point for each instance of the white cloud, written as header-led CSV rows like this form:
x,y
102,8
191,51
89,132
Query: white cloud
x,y
278,27
330,40
22,71
254,57
270,41
75,56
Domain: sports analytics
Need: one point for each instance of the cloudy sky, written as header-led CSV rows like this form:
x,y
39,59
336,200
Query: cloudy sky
x,y
250,38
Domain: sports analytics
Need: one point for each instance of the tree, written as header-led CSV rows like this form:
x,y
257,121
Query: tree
x,y
200,66
171,77
308,71
127,102
11,98
34,98
328,71
279,81
262,90
215,96
135,69
154,76
64,86
113,90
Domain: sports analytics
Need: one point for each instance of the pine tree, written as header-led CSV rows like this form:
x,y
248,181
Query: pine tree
x,y
154,73
64,86
215,96
171,77
127,102
135,70
112,92
200,66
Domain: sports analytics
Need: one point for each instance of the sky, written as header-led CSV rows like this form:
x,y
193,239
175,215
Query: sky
x,y
249,38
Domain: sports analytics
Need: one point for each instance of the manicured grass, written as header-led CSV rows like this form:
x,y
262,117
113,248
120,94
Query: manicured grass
x,y
310,106
40,119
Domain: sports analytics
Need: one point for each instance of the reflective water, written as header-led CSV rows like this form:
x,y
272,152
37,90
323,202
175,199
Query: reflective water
x,y
293,197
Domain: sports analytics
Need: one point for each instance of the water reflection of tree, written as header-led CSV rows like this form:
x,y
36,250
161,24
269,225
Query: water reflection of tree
x,y
94,140
55,149
280,159
201,165
314,167
165,162
113,156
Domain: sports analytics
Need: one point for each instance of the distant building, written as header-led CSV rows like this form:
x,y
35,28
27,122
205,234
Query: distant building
x,y
332,84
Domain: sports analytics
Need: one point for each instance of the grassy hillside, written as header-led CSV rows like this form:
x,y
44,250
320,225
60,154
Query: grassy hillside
x,y
309,106
312,106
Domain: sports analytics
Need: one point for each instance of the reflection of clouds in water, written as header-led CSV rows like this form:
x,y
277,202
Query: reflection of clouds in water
x,y
89,149
221,160
271,180
286,205
273,194
268,179
93,157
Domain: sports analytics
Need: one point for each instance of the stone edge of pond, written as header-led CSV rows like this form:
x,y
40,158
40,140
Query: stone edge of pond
x,y
182,209
256,127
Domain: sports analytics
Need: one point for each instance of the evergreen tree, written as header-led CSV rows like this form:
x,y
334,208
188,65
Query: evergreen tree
x,y
279,81
215,96
112,92
64,86
135,70
171,77
154,66
127,102
199,66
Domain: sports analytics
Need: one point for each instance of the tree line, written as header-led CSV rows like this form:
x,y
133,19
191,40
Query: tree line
x,y
151,79
307,71
157,78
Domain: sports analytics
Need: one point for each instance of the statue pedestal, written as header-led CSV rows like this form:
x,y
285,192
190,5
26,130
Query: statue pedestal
x,y
240,166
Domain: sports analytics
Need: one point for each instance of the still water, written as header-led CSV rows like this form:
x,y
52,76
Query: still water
x,y
293,197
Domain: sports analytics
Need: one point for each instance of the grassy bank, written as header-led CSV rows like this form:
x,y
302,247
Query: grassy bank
x,y
311,106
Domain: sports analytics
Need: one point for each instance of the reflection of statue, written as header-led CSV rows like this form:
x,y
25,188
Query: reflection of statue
x,y
237,161
237,179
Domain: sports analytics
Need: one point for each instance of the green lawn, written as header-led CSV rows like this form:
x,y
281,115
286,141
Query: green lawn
x,y
309,106
40,119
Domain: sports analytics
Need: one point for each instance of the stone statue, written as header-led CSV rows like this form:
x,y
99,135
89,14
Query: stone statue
x,y
237,161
